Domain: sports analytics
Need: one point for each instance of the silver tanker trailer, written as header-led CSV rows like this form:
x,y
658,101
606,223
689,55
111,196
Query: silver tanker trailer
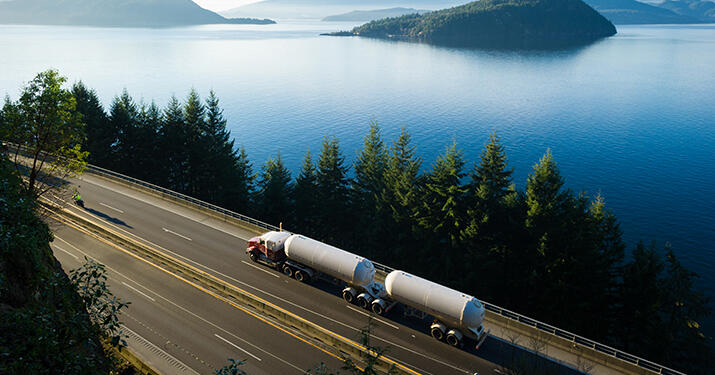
x,y
457,315
305,258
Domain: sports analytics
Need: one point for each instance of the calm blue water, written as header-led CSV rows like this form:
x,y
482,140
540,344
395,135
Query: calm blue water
x,y
631,117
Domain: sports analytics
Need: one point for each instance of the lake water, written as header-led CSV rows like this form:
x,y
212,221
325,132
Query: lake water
x,y
631,117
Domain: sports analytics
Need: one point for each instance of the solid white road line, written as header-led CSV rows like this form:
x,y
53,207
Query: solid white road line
x,y
137,290
176,234
70,254
111,208
375,318
237,347
153,348
260,269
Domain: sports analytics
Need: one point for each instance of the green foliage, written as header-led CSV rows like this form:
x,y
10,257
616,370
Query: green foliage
x,y
498,23
306,202
103,307
48,132
49,329
333,192
232,368
100,135
368,364
275,189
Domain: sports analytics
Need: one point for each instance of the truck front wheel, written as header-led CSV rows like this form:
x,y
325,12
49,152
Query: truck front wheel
x,y
253,256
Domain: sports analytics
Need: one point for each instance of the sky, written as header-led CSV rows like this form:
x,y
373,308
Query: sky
x,y
219,5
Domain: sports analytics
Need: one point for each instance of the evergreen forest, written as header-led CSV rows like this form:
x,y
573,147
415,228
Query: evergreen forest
x,y
545,251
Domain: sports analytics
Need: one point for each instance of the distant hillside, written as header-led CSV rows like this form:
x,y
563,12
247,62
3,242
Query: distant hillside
x,y
498,24
624,12
702,10
124,13
369,15
319,9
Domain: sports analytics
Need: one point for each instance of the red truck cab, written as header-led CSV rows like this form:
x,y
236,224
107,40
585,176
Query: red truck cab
x,y
268,247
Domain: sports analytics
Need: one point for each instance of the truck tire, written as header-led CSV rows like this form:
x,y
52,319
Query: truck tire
x,y
253,256
437,333
348,297
454,339
287,270
362,302
377,308
300,276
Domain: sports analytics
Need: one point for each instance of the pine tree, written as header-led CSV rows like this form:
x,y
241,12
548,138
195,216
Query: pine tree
x,y
305,196
197,143
173,143
370,167
241,191
275,189
124,119
441,216
100,135
493,225
683,343
223,159
150,166
334,218
399,199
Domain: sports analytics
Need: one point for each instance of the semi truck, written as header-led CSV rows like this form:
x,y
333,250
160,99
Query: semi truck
x,y
457,317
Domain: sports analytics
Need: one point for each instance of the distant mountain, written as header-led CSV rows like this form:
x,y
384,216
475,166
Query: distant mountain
x,y
702,10
319,9
624,12
369,15
530,24
121,13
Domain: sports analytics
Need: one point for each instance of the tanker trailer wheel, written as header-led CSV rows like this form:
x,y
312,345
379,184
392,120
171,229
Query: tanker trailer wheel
x,y
437,331
348,297
300,276
287,271
454,338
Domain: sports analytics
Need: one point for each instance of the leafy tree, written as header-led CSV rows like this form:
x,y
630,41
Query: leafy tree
x,y
305,197
46,128
333,192
101,137
48,324
233,368
102,306
275,189
366,365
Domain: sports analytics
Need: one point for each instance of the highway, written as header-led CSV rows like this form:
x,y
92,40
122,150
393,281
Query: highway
x,y
218,248
181,329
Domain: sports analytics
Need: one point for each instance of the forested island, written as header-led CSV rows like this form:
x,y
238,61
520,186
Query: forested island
x,y
114,13
497,24
630,12
545,251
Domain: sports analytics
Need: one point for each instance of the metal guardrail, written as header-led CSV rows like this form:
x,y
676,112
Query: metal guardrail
x,y
516,317
250,220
